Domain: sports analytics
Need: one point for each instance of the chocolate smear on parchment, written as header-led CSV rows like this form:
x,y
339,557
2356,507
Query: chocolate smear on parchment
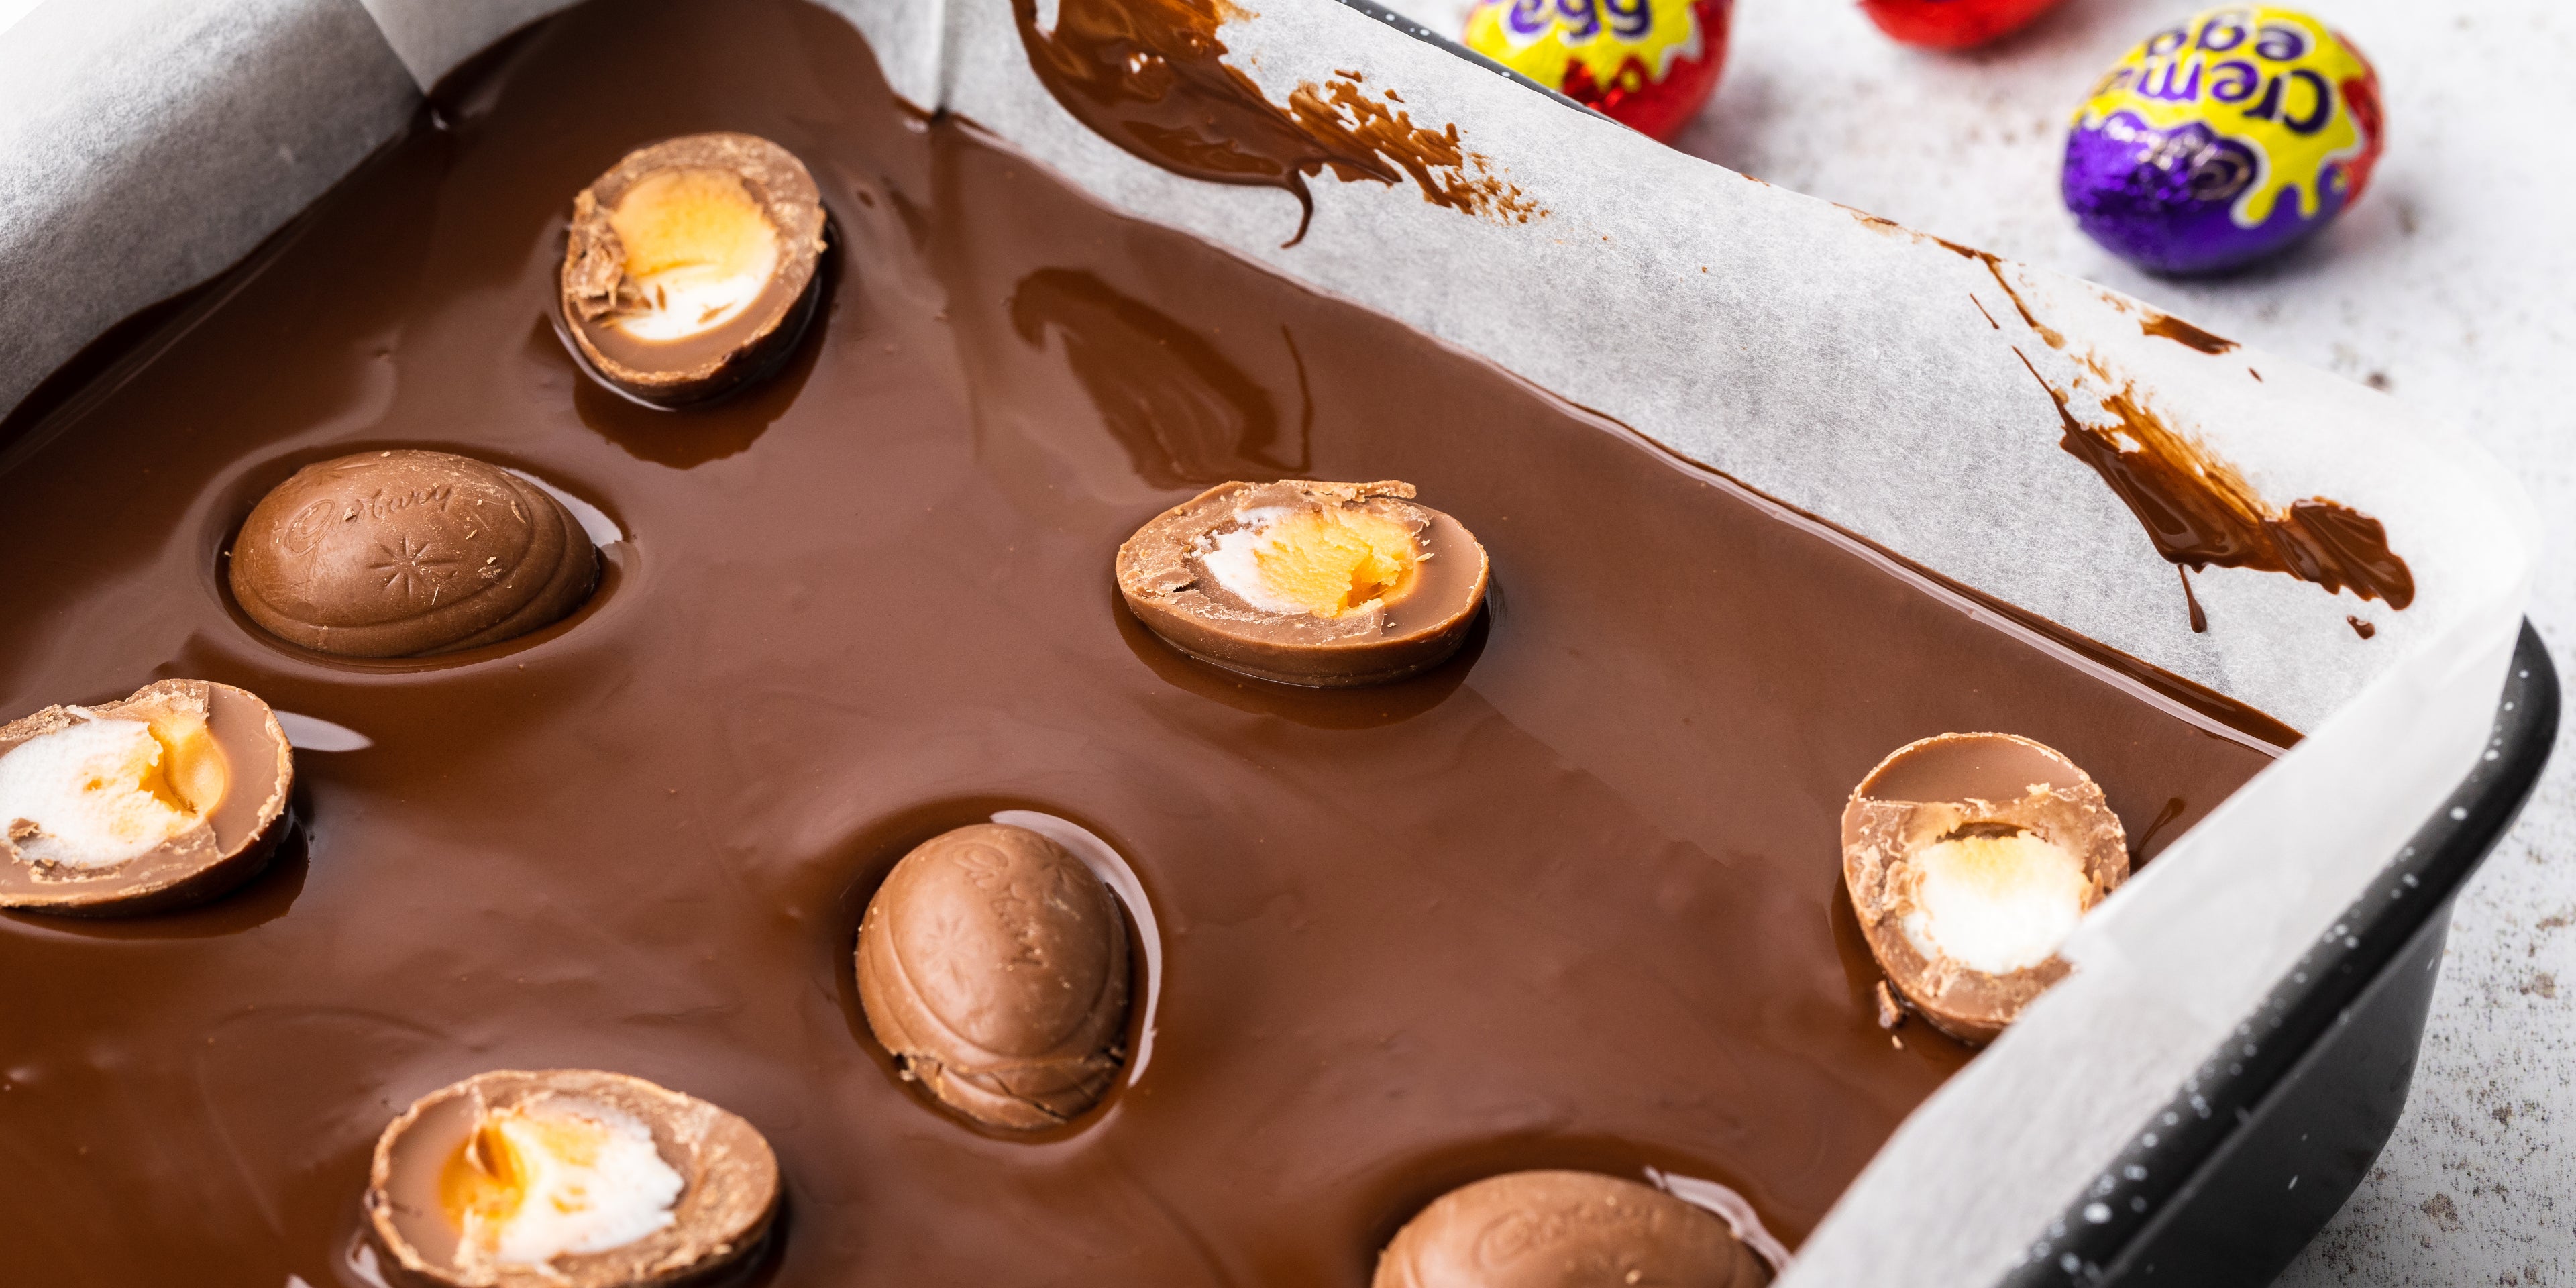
x,y
1149,76
2200,511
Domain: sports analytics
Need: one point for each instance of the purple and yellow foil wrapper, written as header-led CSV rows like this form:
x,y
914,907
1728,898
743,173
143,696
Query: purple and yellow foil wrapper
x,y
2223,139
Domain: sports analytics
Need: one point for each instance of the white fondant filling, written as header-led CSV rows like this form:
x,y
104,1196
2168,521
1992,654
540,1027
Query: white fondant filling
x,y
81,788
1233,557
1995,904
692,299
592,1181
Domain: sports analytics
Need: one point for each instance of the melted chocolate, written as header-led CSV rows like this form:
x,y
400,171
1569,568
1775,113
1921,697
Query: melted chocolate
x,y
2165,326
1187,417
2199,511
1571,899
1149,76
1962,767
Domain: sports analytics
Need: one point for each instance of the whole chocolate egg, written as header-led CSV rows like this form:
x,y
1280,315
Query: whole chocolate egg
x,y
2222,139
1953,24
1647,64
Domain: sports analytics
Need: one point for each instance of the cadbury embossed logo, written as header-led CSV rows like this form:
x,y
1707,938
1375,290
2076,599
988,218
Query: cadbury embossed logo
x,y
1006,888
1528,1231
381,506
304,531
309,526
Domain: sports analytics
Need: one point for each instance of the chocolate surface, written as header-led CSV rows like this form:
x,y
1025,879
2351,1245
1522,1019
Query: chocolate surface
x,y
230,842
1164,574
1959,784
402,552
1558,1229
993,965
597,292
1571,900
728,1175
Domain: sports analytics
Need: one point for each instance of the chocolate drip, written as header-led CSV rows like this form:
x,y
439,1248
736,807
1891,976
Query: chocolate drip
x,y
1148,76
2167,327
2159,325
2199,511
2199,619
2145,844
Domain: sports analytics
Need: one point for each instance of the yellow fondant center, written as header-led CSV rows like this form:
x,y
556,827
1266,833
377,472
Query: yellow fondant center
x,y
1331,562
699,250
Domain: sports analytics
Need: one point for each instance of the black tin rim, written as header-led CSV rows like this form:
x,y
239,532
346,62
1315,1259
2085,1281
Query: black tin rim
x,y
2178,1142
1429,37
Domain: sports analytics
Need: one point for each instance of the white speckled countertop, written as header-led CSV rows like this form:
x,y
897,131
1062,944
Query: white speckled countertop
x,y
2453,285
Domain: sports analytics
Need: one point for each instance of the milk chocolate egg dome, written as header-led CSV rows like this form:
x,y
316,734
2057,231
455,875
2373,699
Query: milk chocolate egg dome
x,y
993,965
408,553
1565,1230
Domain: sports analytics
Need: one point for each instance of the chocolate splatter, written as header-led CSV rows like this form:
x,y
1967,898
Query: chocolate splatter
x,y
2360,627
1995,267
2196,508
2158,325
2166,327
2199,511
1148,76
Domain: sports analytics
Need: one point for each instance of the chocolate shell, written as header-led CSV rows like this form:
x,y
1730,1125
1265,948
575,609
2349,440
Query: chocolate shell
x,y
1969,786
1190,574
241,761
616,308
993,965
727,1196
409,553
1565,1230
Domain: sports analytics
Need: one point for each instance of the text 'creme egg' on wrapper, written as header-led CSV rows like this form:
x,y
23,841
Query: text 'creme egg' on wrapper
x,y
1647,64
2223,139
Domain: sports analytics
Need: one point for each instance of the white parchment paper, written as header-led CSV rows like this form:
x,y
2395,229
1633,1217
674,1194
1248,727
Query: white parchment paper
x,y
146,145
1881,380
